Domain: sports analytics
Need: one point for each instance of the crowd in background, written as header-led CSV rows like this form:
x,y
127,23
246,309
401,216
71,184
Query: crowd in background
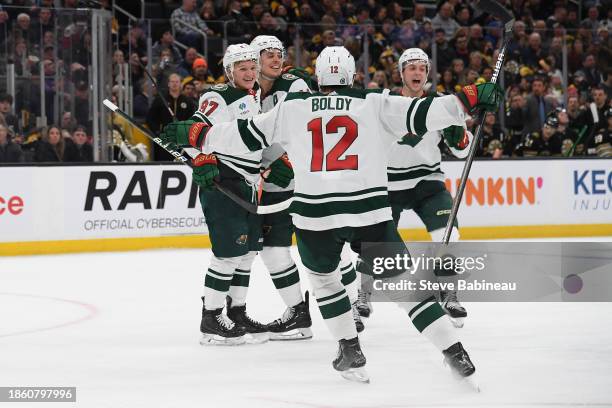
x,y
542,116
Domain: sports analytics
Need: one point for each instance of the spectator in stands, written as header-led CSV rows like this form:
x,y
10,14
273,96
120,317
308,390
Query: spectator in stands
x,y
458,69
419,16
515,120
444,19
592,19
534,51
166,41
238,29
9,152
189,89
207,12
461,48
141,98
188,14
491,144
81,104
200,73
607,84
77,149
268,25
159,116
24,30
575,55
166,67
537,106
186,65
445,54
463,16
447,83
11,121
51,147
68,124
308,21
45,20
590,72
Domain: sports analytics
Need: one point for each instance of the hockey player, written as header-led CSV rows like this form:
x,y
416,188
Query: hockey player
x,y
416,180
338,141
234,233
278,227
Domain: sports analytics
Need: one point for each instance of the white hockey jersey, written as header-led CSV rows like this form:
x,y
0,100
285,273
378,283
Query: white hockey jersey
x,y
223,103
408,165
283,85
338,144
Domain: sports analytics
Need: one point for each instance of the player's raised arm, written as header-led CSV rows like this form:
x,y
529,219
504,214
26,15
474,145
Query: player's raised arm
x,y
418,116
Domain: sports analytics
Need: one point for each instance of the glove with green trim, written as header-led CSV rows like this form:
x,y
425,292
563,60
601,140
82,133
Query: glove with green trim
x,y
456,137
281,172
487,96
205,170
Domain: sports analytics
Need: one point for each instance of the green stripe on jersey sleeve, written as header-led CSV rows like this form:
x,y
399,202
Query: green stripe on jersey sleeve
x,y
409,114
247,136
420,116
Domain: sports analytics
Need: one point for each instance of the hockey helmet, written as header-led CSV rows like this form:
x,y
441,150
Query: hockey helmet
x,y
236,53
335,66
266,42
412,55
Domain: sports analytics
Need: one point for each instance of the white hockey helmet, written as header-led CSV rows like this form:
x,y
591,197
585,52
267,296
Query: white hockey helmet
x,y
335,66
410,56
236,53
266,42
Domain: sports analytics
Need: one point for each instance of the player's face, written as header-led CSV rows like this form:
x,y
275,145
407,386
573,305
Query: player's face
x,y
415,75
271,61
245,74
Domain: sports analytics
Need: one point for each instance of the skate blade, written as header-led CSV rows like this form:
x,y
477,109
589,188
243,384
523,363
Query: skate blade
x,y
458,322
356,375
294,334
257,338
215,340
472,382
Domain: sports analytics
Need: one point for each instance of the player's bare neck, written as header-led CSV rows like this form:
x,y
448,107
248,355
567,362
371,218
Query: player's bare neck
x,y
412,94
266,84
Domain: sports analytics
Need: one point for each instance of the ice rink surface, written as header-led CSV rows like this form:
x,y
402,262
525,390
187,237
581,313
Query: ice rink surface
x,y
124,328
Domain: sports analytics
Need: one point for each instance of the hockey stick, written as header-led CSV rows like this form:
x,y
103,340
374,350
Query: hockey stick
x,y
178,156
497,10
159,92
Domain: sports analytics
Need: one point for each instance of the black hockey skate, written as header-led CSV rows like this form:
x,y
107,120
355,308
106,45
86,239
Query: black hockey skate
x,y
256,332
459,361
357,318
455,311
351,361
218,330
294,324
364,307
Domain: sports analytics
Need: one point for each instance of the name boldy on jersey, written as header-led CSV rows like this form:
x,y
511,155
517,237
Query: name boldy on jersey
x,y
339,157
223,103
